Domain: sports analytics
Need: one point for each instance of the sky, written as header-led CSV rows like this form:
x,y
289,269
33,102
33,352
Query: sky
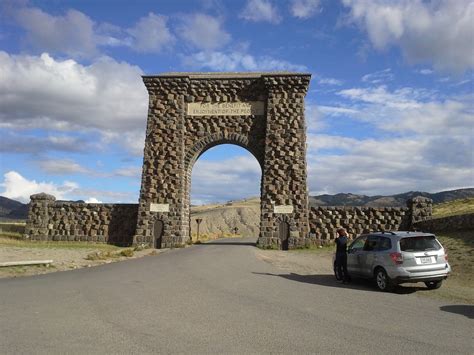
x,y
389,108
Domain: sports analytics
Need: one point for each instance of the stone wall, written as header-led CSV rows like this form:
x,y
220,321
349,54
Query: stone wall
x,y
325,220
116,223
451,223
70,221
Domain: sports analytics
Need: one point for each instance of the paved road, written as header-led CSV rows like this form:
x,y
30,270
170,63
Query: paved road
x,y
218,298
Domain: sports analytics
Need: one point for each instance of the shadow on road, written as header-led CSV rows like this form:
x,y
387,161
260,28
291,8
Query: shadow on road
x,y
228,243
465,310
329,280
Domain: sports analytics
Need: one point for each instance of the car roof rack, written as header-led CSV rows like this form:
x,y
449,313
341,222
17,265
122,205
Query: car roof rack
x,y
392,233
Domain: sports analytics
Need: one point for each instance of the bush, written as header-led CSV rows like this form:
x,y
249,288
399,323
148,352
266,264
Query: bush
x,y
100,255
127,252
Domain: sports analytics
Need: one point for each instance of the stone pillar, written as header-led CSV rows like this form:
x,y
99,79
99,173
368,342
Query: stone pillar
x,y
37,225
420,209
284,187
163,176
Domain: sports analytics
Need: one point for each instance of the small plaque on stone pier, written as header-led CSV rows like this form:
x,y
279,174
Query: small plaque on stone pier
x,y
249,108
159,207
284,209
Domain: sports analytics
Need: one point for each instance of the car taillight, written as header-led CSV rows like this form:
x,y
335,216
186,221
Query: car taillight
x,y
397,257
446,256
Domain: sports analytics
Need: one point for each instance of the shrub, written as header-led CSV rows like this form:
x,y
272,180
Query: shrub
x,y
127,252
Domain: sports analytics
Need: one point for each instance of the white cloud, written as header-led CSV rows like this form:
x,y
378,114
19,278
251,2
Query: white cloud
x,y
78,36
425,71
423,142
260,11
203,31
330,81
305,8
62,167
92,200
151,34
383,166
378,77
19,188
130,171
336,111
72,33
439,32
211,179
410,110
233,61
25,143
106,96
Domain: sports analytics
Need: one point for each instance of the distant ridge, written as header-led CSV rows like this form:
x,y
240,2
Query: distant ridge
x,y
11,209
399,200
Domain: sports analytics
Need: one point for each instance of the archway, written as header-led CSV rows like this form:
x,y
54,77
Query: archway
x,y
190,113
225,189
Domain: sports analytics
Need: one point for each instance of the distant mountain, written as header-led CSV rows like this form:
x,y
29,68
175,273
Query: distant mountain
x,y
11,209
387,201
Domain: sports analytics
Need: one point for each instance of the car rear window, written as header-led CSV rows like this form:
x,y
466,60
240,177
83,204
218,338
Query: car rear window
x,y
421,243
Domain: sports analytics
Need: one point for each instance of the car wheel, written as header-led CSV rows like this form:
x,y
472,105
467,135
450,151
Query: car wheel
x,y
336,273
382,280
433,285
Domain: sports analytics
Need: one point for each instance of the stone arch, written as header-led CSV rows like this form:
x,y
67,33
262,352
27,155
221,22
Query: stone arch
x,y
213,140
192,112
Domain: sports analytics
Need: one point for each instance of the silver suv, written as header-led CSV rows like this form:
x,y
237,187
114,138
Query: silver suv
x,y
393,258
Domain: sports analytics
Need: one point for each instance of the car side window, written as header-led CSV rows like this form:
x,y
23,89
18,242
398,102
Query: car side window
x,y
358,244
384,244
371,243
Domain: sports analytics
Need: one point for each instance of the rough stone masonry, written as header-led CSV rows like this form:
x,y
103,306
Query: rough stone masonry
x,y
188,114
192,112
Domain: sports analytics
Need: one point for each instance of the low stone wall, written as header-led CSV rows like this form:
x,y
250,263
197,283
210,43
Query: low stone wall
x,y
451,223
324,221
70,221
116,223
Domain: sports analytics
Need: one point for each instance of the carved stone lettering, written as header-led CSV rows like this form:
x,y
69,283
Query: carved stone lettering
x,y
256,108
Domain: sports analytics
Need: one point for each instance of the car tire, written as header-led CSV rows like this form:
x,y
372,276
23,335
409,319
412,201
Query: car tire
x,y
336,273
433,285
382,281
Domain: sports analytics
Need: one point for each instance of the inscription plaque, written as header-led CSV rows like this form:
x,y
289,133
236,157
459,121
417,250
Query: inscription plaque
x,y
159,207
226,108
283,209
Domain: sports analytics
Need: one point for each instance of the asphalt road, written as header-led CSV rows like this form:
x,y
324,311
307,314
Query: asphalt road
x,y
219,298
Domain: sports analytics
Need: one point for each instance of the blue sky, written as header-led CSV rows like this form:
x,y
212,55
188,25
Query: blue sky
x,y
389,109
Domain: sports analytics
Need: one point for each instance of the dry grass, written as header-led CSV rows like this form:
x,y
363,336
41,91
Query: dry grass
x,y
460,249
453,208
17,242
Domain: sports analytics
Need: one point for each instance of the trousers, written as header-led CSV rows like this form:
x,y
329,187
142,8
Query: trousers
x,y
341,264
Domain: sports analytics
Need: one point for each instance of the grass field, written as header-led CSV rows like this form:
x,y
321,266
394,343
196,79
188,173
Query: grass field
x,y
453,208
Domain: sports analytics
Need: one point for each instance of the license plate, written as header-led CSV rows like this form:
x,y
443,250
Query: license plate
x,y
426,260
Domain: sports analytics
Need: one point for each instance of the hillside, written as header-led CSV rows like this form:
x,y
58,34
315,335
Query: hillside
x,y
11,209
452,208
399,200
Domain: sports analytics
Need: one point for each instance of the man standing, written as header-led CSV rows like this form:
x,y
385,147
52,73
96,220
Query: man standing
x,y
341,254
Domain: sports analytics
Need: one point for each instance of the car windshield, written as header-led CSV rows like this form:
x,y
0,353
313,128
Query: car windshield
x,y
421,243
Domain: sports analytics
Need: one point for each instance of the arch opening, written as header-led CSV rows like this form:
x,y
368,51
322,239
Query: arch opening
x,y
223,192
